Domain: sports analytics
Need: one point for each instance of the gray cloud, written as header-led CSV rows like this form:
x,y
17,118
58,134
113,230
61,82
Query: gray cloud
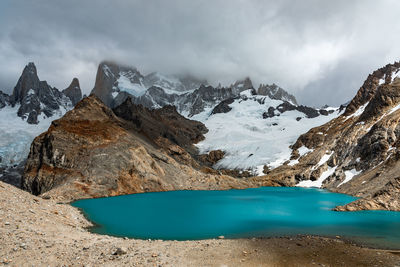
x,y
321,51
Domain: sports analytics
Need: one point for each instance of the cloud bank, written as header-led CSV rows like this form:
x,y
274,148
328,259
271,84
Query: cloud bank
x,y
321,51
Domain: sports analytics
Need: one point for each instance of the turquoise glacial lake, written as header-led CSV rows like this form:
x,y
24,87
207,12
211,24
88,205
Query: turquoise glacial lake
x,y
260,212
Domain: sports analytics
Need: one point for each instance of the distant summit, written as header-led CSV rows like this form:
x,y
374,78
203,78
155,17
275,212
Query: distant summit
x,y
276,92
73,92
36,99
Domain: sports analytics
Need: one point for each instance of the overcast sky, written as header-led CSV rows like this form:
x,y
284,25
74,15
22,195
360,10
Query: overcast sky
x,y
321,51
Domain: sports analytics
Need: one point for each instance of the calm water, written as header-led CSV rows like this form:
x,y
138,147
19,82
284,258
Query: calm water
x,y
261,212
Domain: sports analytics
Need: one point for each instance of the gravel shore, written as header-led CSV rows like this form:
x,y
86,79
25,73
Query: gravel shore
x,y
39,232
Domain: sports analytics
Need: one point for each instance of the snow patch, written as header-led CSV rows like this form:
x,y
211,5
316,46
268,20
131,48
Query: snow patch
x,y
395,74
125,85
359,111
321,179
304,150
349,175
394,109
323,160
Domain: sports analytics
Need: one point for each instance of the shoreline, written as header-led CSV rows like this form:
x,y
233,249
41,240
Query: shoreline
x,y
49,233
357,241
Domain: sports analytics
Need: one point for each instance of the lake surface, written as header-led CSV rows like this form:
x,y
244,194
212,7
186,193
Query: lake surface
x,y
260,212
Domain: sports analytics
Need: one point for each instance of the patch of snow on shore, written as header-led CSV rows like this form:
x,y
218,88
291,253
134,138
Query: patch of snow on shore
x,y
349,175
319,181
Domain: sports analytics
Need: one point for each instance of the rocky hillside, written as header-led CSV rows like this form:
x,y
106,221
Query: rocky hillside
x,y
358,152
91,152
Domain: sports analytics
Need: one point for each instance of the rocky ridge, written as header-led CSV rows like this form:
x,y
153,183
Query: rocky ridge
x,y
91,152
358,152
114,83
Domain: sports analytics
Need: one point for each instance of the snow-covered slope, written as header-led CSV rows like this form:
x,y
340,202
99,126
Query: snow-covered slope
x,y
252,140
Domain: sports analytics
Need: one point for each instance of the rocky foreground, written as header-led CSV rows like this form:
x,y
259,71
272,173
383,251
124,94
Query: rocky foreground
x,y
42,232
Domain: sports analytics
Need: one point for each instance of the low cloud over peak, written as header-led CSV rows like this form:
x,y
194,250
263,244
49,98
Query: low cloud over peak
x,y
320,51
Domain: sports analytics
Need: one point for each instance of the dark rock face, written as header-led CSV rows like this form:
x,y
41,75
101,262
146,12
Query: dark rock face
x,y
107,77
4,99
275,92
165,122
12,174
223,106
91,152
240,86
270,113
310,112
36,97
212,157
73,92
28,80
205,96
286,106
155,97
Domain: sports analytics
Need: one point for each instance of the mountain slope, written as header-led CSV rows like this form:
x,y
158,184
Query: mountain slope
x,y
358,152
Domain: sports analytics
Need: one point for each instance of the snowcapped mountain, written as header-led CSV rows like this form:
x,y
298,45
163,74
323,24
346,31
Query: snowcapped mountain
x,y
29,111
114,83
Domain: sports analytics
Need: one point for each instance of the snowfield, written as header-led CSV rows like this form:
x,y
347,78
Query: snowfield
x,y
250,142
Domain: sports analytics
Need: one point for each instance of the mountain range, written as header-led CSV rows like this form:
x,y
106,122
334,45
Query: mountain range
x,y
139,133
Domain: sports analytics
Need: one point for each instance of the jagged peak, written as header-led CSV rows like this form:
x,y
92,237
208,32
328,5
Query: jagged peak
x,y
276,92
379,77
73,91
30,68
74,83
246,83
